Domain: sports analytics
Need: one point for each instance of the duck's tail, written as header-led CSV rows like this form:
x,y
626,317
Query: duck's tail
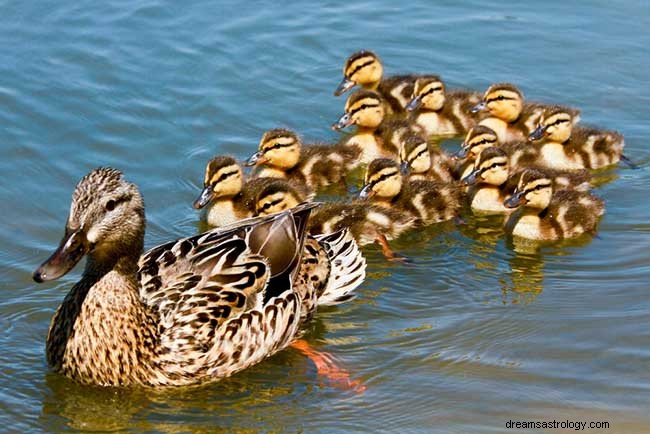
x,y
348,267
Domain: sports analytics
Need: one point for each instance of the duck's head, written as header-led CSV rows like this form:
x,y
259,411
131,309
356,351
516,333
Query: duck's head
x,y
490,167
414,154
535,190
555,125
223,178
106,222
276,197
502,100
363,68
477,139
383,179
364,108
279,148
428,93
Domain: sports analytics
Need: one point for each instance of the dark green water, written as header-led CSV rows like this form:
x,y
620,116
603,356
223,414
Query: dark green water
x,y
473,334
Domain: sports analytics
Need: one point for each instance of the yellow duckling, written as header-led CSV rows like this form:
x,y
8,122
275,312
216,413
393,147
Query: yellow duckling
x,y
429,202
476,140
189,311
564,145
548,215
365,69
230,197
441,112
423,163
282,155
367,110
508,115
366,222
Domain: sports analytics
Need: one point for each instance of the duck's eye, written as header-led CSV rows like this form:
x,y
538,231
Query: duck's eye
x,y
110,205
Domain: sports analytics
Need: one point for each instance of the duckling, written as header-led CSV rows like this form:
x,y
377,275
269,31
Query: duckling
x,y
189,311
422,163
441,112
490,173
229,196
366,109
365,69
546,214
428,201
367,223
566,146
282,153
508,115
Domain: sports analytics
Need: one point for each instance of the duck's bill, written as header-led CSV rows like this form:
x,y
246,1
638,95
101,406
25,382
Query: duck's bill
x,y
204,198
404,168
538,133
256,159
344,121
72,248
366,192
472,178
482,106
517,199
461,154
345,85
414,104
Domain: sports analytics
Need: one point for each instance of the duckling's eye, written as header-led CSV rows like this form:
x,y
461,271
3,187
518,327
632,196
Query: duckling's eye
x,y
110,205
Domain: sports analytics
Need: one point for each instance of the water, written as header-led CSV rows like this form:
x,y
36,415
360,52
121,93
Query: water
x,y
475,332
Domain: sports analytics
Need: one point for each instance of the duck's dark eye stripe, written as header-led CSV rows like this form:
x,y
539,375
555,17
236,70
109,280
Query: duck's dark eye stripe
x,y
558,122
538,187
430,91
422,152
495,165
363,107
363,65
498,98
225,175
278,146
482,142
270,204
383,178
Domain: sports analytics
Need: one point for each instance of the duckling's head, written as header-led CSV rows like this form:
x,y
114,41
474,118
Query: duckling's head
x,y
383,179
414,154
535,190
279,148
555,125
223,178
502,100
363,68
275,197
477,139
490,167
428,93
364,108
106,222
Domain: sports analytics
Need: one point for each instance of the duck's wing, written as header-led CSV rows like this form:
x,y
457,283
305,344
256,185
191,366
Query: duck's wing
x,y
229,289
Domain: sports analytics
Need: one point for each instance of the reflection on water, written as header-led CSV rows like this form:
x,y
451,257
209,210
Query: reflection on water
x,y
474,330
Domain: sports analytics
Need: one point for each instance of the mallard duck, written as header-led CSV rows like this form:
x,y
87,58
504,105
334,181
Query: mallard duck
x,y
476,140
230,197
189,311
366,109
564,145
367,223
441,112
282,154
422,163
488,181
508,115
427,201
545,214
365,69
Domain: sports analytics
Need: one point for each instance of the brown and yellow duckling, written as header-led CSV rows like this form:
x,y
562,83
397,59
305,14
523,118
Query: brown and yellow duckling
x,y
429,202
492,181
364,68
189,311
282,154
424,163
230,197
546,214
441,112
507,113
563,145
367,110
